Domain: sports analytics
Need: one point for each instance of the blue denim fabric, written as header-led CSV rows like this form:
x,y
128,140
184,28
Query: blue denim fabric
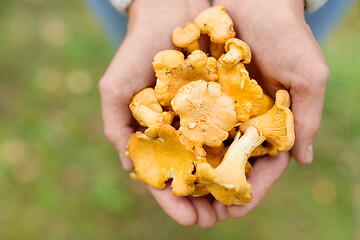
x,y
326,18
114,23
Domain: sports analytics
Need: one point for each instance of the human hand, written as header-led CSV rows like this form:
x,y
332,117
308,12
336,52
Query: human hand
x,y
285,56
149,31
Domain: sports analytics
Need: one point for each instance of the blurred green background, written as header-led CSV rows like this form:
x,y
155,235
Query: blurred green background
x,y
61,179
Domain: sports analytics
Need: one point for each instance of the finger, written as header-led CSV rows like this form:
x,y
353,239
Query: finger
x,y
179,208
116,90
265,173
221,211
206,216
307,104
117,124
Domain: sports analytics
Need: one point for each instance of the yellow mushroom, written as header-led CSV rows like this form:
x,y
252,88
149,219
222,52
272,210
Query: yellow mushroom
x,y
147,110
206,114
277,124
259,151
262,107
187,37
163,156
216,23
227,183
236,51
245,92
216,49
214,157
173,72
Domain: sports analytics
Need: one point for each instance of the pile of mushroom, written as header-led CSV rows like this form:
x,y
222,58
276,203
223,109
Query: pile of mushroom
x,y
206,117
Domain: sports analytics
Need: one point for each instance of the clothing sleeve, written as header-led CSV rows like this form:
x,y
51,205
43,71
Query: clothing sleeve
x,y
313,5
121,5
310,5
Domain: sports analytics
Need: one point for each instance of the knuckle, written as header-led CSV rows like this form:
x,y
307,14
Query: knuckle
x,y
317,79
310,128
322,73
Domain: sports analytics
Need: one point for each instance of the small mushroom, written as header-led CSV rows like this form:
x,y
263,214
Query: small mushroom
x,y
236,51
187,37
162,156
206,114
227,183
277,125
262,107
245,92
147,110
173,72
216,23
214,156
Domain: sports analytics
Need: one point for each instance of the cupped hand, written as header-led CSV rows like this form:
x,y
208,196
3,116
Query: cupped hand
x,y
285,56
149,31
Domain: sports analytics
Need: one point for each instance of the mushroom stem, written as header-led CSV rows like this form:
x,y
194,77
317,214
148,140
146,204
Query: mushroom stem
x,y
233,56
192,47
236,51
231,172
277,124
147,117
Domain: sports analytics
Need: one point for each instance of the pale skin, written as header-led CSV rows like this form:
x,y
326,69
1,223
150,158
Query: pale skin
x,y
285,56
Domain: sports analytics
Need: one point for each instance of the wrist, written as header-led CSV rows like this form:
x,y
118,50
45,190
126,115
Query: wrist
x,y
248,10
157,13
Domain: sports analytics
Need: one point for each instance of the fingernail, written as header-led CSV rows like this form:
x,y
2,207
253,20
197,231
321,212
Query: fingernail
x,y
121,156
309,154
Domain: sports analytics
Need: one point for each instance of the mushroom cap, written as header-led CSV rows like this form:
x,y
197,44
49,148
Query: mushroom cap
x,y
158,159
216,23
206,114
200,190
147,110
148,98
245,92
183,37
277,124
240,52
264,106
173,72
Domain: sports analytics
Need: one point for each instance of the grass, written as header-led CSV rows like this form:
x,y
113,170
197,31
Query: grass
x,y
60,178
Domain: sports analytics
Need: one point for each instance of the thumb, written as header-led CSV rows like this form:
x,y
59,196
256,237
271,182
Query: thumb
x,y
307,104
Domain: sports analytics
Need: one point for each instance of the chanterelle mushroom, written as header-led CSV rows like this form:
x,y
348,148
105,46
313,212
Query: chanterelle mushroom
x,y
187,37
277,124
214,156
147,110
236,51
216,23
173,72
227,183
206,114
158,159
216,49
262,107
245,92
